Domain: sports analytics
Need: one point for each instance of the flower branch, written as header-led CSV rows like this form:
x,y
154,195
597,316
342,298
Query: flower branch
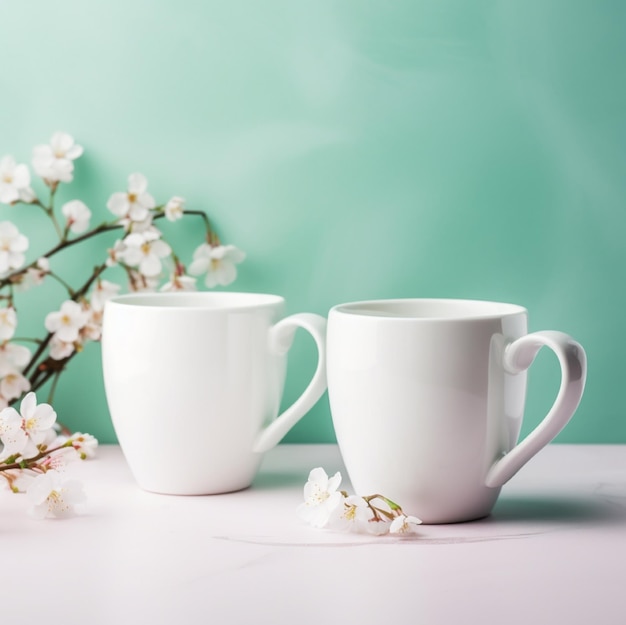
x,y
327,507
141,253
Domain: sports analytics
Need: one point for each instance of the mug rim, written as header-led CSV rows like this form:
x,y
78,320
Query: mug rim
x,y
223,301
458,309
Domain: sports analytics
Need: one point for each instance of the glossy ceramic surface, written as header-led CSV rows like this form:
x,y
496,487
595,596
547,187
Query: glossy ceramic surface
x,y
194,384
427,399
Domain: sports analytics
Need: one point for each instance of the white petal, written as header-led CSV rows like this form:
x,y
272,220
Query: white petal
x,y
19,243
28,405
45,416
225,273
74,152
132,256
334,482
234,254
134,240
199,266
202,251
53,321
41,487
137,184
16,260
67,334
8,194
61,142
161,248
118,204
21,176
150,266
146,200
137,212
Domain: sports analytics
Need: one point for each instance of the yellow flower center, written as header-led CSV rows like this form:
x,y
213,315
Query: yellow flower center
x,y
65,320
319,496
132,198
350,513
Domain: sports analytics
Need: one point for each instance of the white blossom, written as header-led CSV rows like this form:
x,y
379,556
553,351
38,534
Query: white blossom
x,y
404,525
320,497
27,195
12,434
179,283
66,323
174,208
14,181
92,330
13,357
13,384
144,225
141,283
36,421
352,514
8,323
59,350
12,247
218,262
103,291
136,203
84,444
34,275
38,418
116,253
60,458
51,496
145,251
77,216
54,161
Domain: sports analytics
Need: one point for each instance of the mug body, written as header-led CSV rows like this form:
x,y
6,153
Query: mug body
x,y
190,382
421,403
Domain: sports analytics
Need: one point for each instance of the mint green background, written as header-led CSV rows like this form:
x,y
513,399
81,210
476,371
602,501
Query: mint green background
x,y
354,149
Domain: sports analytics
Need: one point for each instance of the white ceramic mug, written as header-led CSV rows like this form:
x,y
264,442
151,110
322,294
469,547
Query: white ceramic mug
x,y
194,383
427,399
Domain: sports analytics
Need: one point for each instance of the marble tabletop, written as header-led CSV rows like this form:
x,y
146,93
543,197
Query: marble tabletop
x,y
553,551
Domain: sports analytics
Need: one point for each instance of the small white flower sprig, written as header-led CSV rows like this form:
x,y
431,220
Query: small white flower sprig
x,y
34,458
141,252
327,507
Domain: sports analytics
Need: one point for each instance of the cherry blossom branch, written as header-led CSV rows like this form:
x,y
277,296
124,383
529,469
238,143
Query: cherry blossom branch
x,y
50,365
65,243
326,506
140,252
30,463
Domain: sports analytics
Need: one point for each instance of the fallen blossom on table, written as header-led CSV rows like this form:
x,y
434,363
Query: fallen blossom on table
x,y
327,507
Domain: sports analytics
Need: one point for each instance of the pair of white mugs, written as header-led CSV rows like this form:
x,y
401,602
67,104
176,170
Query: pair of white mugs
x,y
426,395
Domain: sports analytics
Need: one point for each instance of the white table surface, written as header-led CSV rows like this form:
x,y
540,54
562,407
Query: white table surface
x,y
553,551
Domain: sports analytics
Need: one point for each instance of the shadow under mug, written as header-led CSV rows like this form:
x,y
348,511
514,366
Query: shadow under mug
x,y
427,399
194,383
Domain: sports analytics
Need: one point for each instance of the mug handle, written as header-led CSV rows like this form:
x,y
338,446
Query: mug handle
x,y
280,340
518,356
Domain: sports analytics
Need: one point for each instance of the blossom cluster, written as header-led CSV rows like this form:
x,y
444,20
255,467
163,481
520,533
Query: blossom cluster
x,y
325,506
141,252
34,458
31,452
